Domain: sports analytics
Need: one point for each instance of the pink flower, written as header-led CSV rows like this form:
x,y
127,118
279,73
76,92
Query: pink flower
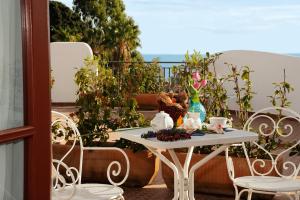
x,y
196,85
203,82
219,128
196,76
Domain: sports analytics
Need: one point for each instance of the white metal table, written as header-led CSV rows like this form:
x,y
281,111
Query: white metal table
x,y
183,177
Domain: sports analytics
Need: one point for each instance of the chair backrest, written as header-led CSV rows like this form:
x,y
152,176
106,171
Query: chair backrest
x,y
64,129
278,129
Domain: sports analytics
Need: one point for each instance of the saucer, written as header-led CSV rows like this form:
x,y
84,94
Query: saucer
x,y
210,126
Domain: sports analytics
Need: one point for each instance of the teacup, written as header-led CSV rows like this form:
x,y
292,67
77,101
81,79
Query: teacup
x,y
218,121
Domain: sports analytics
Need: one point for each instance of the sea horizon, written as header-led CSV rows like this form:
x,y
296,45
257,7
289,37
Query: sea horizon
x,y
148,57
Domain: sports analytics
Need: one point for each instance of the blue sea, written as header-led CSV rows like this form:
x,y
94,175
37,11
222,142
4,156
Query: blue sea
x,y
165,58
294,54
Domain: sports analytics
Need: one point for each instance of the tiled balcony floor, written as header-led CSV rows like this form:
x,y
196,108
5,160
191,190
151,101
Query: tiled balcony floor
x,y
159,191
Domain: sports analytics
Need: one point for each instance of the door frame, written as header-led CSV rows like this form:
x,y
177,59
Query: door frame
x,y
37,103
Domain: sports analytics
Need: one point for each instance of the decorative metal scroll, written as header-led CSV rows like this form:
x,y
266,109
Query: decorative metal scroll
x,y
276,126
60,183
64,128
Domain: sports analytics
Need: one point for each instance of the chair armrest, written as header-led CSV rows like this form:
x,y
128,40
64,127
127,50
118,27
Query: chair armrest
x,y
117,163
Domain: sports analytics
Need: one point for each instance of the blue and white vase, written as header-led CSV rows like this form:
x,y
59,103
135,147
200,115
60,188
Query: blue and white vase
x,y
196,106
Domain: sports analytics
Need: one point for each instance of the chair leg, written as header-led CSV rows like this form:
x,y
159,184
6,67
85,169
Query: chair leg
x,y
249,195
236,190
122,198
241,192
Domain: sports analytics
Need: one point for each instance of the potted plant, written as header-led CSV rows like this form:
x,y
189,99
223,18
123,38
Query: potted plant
x,y
104,106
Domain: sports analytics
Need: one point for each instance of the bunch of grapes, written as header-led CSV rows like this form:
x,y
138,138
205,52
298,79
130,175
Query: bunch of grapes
x,y
172,134
149,134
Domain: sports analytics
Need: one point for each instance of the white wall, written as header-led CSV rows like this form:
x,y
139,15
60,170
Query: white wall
x,y
66,59
268,68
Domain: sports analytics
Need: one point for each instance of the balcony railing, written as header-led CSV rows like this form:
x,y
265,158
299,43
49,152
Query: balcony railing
x,y
166,66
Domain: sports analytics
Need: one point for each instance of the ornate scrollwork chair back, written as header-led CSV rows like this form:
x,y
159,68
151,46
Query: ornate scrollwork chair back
x,y
271,161
65,130
63,175
278,129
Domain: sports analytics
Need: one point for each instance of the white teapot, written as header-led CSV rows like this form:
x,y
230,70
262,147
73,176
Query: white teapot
x,y
161,121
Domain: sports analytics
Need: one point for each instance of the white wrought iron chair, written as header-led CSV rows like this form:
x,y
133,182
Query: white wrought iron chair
x,y
280,177
67,180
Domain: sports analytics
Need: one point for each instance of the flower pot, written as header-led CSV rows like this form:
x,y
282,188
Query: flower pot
x,y
147,101
95,165
212,178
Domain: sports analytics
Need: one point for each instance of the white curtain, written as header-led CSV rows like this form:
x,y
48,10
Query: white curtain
x,y
11,73
11,99
11,171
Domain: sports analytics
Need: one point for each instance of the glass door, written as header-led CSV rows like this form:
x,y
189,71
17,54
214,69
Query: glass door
x,y
12,170
11,100
25,151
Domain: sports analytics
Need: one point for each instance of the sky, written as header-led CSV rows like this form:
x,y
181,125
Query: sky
x,y
175,26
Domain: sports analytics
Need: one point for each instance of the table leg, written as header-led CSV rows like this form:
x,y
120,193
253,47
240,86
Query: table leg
x,y
183,177
199,164
183,172
173,167
180,172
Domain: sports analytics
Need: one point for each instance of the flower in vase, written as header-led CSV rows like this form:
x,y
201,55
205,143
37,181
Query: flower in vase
x,y
196,76
203,83
196,85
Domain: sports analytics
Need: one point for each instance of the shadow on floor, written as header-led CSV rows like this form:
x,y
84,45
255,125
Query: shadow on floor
x,y
163,194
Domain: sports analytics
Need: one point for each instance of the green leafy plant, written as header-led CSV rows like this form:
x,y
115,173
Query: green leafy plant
x,y
140,77
281,90
65,24
244,93
193,63
96,98
128,115
105,102
213,95
152,81
280,99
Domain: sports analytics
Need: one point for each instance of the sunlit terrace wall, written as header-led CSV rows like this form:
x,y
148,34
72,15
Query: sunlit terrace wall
x,y
66,59
268,68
